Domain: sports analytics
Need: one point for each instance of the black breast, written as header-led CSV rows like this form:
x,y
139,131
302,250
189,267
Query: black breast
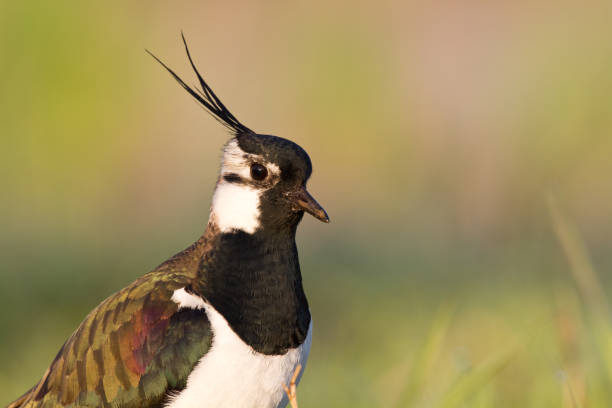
x,y
254,281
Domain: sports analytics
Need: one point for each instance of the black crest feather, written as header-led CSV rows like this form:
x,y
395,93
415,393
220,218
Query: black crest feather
x,y
207,97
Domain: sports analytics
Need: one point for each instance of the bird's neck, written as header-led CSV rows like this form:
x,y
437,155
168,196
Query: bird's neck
x,y
254,281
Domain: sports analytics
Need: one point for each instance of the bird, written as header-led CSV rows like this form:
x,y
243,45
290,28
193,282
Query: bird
x,y
225,322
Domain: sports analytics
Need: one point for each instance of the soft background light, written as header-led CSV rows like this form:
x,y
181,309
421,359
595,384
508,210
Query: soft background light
x,y
438,132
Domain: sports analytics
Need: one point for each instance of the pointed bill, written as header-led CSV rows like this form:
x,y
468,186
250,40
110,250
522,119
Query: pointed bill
x,y
303,201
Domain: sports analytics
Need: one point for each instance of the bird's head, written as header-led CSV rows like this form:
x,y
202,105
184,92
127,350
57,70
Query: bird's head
x,y
262,183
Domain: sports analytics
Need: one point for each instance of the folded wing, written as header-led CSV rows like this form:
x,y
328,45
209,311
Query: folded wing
x,y
133,350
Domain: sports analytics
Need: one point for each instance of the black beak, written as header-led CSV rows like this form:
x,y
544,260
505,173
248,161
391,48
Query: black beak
x,y
303,201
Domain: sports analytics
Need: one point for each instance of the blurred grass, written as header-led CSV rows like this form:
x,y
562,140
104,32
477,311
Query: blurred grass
x,y
436,131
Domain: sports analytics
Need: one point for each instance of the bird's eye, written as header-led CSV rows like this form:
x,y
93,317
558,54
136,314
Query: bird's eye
x,y
258,172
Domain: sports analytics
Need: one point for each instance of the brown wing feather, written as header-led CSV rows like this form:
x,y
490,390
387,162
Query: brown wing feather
x,y
19,401
134,347
114,357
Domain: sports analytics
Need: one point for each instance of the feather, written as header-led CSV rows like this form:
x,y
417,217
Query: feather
x,y
207,97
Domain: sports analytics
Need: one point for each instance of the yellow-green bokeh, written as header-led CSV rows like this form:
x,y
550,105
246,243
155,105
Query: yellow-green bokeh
x,y
437,132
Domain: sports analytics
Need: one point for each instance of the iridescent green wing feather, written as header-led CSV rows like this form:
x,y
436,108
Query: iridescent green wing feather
x,y
133,350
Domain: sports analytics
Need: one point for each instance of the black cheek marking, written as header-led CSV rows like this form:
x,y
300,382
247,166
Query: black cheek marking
x,y
232,178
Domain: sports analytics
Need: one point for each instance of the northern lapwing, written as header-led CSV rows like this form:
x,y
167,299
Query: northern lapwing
x,y
223,323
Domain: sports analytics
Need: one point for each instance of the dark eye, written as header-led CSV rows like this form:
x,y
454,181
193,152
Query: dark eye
x,y
258,172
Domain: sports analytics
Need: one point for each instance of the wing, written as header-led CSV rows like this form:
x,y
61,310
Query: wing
x,y
131,351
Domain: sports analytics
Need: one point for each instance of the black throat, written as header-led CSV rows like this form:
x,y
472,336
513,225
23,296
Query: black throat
x,y
254,281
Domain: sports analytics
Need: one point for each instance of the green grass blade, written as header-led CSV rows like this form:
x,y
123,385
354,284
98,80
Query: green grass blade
x,y
423,367
474,380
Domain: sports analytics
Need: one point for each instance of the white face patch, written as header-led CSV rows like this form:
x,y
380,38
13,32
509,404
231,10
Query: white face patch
x,y
235,205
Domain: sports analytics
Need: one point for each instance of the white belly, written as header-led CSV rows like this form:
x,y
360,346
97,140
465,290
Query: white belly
x,y
232,374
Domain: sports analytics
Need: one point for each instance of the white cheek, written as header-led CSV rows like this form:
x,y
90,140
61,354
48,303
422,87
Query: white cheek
x,y
236,207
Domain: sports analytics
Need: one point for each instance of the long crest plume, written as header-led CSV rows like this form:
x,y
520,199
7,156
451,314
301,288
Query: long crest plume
x,y
207,97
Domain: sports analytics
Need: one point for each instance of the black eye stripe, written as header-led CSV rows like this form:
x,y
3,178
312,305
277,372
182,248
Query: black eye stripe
x,y
232,178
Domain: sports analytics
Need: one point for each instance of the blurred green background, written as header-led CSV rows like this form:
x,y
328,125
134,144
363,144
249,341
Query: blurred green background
x,y
462,150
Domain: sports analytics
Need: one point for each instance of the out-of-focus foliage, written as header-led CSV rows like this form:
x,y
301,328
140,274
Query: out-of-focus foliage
x,y
437,131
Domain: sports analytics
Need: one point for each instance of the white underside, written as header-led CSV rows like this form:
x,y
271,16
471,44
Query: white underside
x,y
232,374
